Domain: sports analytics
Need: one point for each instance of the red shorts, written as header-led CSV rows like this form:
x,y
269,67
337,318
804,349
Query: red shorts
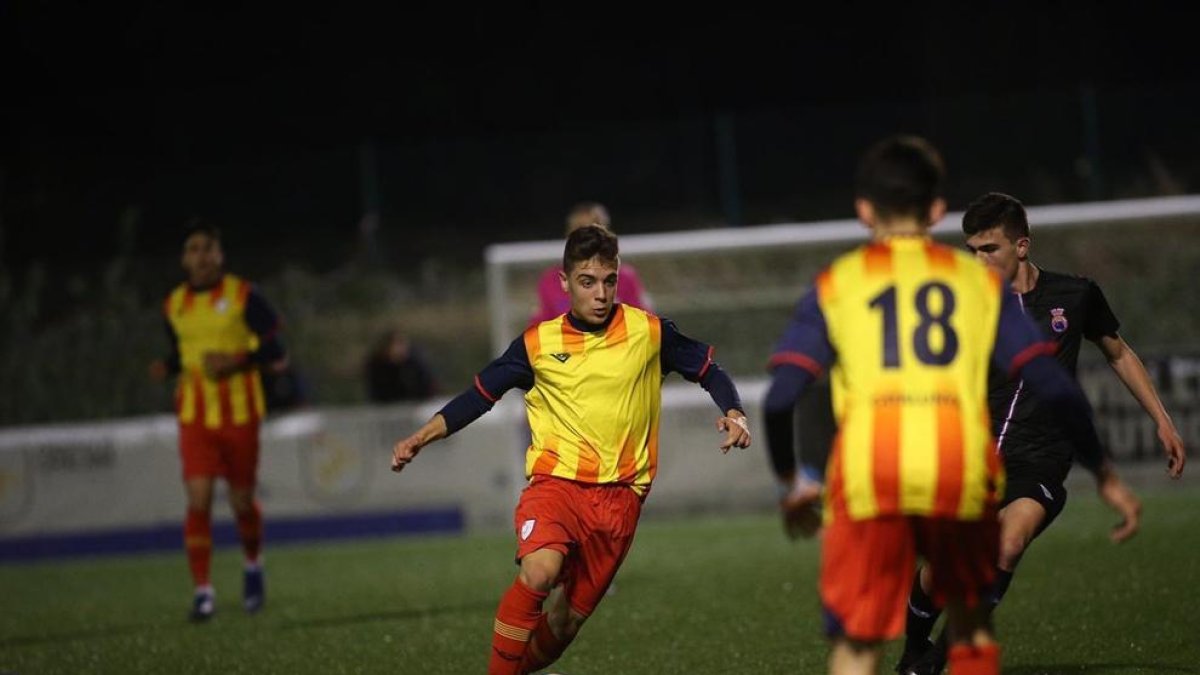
x,y
230,452
592,525
867,569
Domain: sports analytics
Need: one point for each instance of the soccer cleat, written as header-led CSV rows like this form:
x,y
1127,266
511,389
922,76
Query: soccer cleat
x,y
203,606
932,662
801,509
911,655
254,589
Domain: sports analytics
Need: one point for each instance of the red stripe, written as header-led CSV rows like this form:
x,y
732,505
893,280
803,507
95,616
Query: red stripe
x,y
188,298
572,340
941,258
251,401
626,464
824,285
796,359
533,344
1030,353
618,332
948,496
837,482
886,464
547,458
707,362
588,469
877,259
199,406
484,392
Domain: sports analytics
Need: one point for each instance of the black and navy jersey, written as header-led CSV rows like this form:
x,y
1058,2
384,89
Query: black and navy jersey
x,y
1067,309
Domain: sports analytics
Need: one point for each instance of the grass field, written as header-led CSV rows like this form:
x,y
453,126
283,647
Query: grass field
x,y
712,595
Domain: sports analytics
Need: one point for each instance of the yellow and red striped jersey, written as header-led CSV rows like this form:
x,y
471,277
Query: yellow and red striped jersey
x,y
214,320
595,402
594,393
911,326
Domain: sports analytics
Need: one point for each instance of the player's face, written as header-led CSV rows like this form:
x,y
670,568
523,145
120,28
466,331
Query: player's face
x,y
592,286
998,252
202,260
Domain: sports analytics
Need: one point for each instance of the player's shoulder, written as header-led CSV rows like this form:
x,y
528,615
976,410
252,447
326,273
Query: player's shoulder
x,y
175,297
1063,281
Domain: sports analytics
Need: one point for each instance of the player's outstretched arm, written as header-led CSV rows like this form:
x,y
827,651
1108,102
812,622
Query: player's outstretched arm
x,y
1132,372
406,450
733,425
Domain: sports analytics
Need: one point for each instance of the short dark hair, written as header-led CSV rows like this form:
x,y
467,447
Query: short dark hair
x,y
590,241
197,225
900,176
996,209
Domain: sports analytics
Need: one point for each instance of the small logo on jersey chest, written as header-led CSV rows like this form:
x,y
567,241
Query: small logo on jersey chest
x,y
1058,322
561,356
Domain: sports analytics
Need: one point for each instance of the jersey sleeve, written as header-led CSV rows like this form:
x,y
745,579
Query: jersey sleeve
x,y
511,370
805,341
681,354
1100,320
262,319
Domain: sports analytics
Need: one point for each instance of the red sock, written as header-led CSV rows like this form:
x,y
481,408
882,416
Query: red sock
x,y
250,530
197,541
969,660
544,647
518,614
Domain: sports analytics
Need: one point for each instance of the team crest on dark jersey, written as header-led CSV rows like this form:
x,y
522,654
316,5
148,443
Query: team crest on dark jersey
x,y
561,356
1058,322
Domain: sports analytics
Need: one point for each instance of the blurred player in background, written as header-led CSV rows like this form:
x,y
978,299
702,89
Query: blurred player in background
x,y
553,301
594,378
1037,452
800,471
910,327
221,332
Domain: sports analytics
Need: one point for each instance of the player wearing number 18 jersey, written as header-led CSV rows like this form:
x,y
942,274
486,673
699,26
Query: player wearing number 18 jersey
x,y
910,328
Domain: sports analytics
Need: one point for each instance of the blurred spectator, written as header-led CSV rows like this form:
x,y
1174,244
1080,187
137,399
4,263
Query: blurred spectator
x,y
553,300
397,371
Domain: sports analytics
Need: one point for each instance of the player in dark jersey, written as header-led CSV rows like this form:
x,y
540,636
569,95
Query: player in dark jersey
x,y
1030,436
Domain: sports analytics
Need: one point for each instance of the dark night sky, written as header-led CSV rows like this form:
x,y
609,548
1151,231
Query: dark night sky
x,y
155,85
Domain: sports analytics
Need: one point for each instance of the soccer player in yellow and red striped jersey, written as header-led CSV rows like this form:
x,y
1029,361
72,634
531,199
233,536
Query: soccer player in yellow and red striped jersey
x,y
221,332
909,327
593,377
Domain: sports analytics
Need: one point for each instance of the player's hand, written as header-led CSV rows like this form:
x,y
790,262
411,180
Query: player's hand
x,y
158,370
1121,499
737,434
1173,447
801,509
405,451
221,364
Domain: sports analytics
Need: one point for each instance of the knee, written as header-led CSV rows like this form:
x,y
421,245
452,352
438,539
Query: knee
x,y
241,501
1012,547
539,577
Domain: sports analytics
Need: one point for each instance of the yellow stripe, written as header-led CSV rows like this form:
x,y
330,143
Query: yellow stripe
x,y
511,632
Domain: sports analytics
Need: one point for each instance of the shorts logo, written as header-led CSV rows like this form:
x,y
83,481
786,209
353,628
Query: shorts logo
x,y
526,529
1058,322
561,356
1046,492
